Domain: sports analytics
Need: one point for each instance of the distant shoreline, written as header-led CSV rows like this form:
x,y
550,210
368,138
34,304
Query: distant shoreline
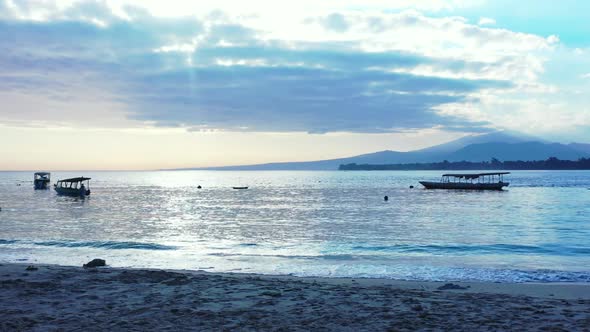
x,y
551,164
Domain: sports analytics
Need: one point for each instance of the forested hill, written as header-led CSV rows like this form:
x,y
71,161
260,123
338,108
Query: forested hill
x,y
494,164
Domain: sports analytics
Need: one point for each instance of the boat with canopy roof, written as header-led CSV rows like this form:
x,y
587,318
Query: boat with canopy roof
x,y
474,181
41,180
78,187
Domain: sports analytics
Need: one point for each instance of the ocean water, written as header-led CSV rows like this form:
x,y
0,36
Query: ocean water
x,y
332,224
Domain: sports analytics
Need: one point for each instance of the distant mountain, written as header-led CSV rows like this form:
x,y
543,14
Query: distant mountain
x,y
500,145
496,137
580,147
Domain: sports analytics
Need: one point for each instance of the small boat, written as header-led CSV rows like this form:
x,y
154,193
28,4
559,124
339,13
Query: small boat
x,y
41,180
73,187
240,187
477,181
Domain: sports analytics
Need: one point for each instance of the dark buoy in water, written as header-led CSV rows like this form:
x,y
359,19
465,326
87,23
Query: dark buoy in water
x,y
411,187
199,187
386,198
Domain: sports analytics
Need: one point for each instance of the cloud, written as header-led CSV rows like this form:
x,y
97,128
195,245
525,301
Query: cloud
x,y
343,71
48,10
486,21
335,21
299,99
553,39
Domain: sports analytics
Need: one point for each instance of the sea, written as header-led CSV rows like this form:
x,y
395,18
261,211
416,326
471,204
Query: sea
x,y
306,223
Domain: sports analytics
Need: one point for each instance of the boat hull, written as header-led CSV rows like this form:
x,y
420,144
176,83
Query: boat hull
x,y
464,186
72,192
41,184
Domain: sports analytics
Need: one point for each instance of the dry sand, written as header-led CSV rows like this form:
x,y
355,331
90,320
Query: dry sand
x,y
71,298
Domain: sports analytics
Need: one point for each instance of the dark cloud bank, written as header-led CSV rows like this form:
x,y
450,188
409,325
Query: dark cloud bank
x,y
269,86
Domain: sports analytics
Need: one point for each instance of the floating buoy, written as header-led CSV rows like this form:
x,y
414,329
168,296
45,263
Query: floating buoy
x,y
386,198
198,187
411,187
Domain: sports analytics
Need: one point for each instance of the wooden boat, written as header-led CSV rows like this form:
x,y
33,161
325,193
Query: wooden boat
x,y
41,180
477,181
73,187
240,187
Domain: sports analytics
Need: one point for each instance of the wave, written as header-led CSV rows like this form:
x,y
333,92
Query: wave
x,y
380,253
341,257
548,249
552,185
431,273
114,245
373,266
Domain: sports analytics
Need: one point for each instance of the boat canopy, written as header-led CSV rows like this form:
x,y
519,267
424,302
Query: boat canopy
x,y
42,173
475,175
78,179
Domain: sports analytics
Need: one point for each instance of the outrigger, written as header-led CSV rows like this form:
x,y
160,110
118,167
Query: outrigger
x,y
73,187
477,181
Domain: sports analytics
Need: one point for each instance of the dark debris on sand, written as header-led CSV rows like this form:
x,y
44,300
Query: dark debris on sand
x,y
451,286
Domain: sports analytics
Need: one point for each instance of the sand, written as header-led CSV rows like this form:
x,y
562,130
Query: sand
x,y
72,298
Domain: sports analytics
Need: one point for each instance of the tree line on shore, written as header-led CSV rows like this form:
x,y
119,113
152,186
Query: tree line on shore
x,y
551,163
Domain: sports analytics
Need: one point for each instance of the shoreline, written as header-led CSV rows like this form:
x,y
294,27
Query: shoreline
x,y
554,290
67,297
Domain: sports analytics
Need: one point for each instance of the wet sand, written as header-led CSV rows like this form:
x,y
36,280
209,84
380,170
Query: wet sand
x,y
72,298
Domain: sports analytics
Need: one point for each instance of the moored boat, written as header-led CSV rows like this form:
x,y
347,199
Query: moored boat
x,y
475,181
41,180
73,187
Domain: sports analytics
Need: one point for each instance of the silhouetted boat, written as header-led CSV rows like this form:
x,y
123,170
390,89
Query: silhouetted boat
x,y
73,187
41,180
485,181
240,187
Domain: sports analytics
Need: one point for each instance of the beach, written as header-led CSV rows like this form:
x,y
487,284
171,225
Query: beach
x,y
51,297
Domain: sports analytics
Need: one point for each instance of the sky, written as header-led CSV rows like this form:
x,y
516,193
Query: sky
x,y
163,84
